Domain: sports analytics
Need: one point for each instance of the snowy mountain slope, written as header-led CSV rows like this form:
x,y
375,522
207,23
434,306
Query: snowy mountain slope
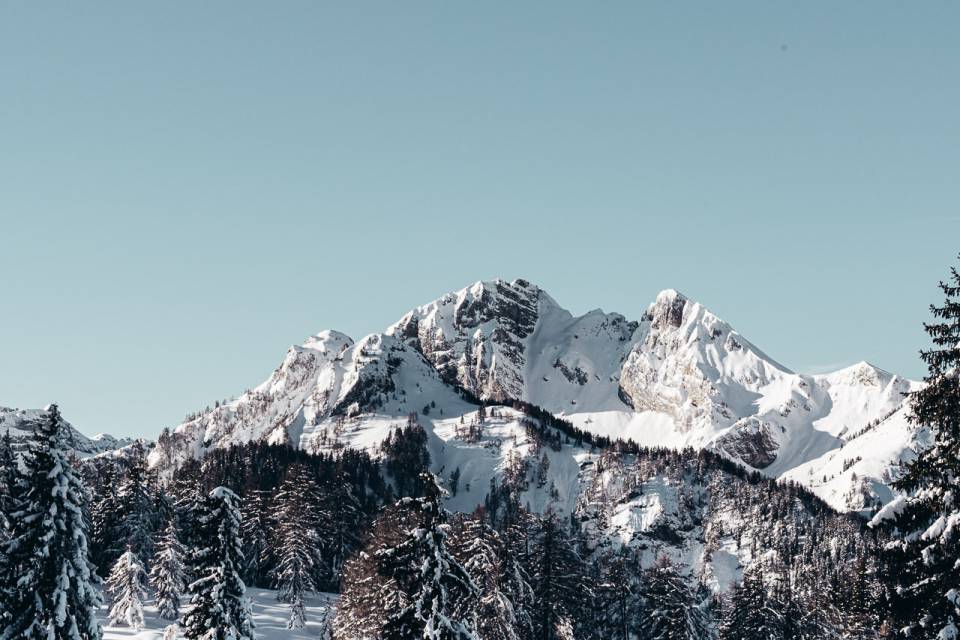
x,y
680,376
21,425
505,341
657,503
857,476
694,381
317,385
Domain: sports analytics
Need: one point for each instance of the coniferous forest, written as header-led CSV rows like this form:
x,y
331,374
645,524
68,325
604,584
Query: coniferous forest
x,y
98,540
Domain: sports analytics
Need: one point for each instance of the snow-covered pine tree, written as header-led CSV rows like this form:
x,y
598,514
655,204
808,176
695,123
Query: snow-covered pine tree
x,y
558,578
670,610
125,586
168,574
106,542
189,502
617,598
749,613
8,504
8,482
136,504
341,520
220,608
55,594
927,602
296,542
434,588
257,550
482,553
366,595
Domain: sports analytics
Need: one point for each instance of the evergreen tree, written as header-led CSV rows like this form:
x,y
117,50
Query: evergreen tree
x,y
125,586
257,550
434,588
341,522
106,517
750,614
8,482
168,574
617,599
136,504
8,504
499,610
406,459
51,589
558,579
671,611
927,601
220,609
296,541
367,596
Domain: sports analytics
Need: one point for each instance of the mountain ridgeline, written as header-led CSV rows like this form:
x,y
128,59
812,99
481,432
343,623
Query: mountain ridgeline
x,y
676,377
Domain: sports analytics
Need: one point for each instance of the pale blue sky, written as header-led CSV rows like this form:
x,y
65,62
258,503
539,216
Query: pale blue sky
x,y
186,188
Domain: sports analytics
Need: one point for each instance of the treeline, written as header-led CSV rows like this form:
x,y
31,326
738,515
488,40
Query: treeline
x,y
279,518
504,572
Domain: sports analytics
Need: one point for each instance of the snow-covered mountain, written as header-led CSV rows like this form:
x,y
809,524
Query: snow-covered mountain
x,y
505,341
21,424
679,376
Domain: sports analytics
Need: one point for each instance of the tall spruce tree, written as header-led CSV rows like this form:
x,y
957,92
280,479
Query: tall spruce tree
x,y
220,609
8,481
558,578
136,504
168,574
8,504
296,541
341,520
618,596
750,614
500,608
257,550
53,591
927,602
434,589
671,612
125,585
106,516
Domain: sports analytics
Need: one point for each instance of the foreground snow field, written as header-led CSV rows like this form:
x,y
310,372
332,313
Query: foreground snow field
x,y
270,616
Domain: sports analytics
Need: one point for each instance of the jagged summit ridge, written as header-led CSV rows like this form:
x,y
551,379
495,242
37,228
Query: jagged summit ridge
x,y
678,376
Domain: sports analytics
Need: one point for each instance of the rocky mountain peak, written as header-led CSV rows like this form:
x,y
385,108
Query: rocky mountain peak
x,y
667,310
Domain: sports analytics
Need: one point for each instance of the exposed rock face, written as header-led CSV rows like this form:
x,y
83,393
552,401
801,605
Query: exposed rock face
x,y
476,336
750,440
508,340
681,365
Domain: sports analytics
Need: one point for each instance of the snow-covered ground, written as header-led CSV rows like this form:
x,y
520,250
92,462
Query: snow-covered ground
x,y
270,617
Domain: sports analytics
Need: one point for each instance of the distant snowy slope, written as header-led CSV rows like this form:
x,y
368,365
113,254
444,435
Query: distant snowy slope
x,y
857,476
325,380
21,424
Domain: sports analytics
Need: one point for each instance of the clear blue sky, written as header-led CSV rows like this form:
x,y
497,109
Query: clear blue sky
x,y
186,188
